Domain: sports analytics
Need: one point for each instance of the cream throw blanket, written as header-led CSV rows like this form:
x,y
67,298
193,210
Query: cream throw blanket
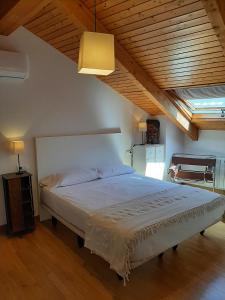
x,y
113,232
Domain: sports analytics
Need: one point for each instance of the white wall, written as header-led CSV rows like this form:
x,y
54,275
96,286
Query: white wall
x,y
55,100
209,142
173,139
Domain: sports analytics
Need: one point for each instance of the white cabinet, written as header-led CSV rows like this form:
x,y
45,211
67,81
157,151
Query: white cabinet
x,y
149,160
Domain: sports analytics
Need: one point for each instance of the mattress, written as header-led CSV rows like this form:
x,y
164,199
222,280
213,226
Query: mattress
x,y
77,203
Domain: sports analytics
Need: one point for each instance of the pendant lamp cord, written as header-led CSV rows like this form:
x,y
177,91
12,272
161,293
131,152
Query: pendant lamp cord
x,y
94,12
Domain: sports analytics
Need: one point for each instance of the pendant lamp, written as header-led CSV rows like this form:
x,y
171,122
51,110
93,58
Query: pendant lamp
x,y
96,54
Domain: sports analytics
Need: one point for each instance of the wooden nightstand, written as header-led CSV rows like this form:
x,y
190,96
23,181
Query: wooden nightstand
x,y
18,202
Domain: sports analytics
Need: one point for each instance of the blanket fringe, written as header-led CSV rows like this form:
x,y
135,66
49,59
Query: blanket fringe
x,y
142,235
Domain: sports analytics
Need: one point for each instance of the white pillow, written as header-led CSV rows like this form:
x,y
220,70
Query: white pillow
x,y
78,175
74,176
114,170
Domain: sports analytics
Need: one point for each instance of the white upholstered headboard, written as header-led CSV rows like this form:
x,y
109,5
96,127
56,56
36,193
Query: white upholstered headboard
x,y
55,154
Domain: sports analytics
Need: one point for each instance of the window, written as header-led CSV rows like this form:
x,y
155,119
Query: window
x,y
204,100
209,106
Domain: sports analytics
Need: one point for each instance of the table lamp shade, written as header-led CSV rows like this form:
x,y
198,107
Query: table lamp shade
x,y
17,146
96,55
142,126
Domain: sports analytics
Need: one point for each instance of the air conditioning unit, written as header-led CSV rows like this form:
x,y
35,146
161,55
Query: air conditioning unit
x,y
13,65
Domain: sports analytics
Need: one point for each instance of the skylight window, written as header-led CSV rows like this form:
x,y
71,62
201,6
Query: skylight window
x,y
218,103
204,100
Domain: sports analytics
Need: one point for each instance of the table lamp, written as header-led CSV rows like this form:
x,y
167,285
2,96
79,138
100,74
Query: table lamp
x,y
17,147
142,127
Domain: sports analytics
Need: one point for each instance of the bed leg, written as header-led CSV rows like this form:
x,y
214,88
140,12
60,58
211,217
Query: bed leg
x,y
80,242
202,232
119,277
54,221
161,255
175,247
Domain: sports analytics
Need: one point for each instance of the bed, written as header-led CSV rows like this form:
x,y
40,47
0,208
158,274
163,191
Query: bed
x,y
126,219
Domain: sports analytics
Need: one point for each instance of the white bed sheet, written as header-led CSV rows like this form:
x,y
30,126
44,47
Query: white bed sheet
x,y
76,203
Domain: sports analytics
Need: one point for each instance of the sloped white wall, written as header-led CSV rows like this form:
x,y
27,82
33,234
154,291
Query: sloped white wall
x,y
55,100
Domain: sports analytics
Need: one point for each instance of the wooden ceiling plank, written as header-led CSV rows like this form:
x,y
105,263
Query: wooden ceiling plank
x,y
176,67
178,56
45,14
210,78
66,36
190,60
191,56
59,32
74,40
19,14
126,18
46,24
172,42
171,35
90,3
110,4
200,67
165,26
191,70
70,47
175,12
121,80
216,12
201,76
182,48
129,8
112,7
166,30
81,16
192,83
164,56
53,28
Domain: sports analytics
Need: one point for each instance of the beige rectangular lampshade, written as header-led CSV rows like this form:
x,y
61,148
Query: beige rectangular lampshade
x,y
17,146
96,55
142,126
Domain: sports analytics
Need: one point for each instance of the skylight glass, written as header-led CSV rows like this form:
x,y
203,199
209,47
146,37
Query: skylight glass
x,y
207,103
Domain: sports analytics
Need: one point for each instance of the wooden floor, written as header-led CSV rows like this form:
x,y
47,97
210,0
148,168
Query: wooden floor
x,y
47,264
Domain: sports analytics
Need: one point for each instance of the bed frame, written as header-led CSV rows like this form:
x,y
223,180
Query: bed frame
x,y
55,154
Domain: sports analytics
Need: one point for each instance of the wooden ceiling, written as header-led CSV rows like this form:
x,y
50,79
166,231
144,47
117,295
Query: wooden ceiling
x,y
172,43
173,40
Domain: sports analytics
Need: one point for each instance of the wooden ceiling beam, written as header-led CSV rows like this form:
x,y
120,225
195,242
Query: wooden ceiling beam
x,y
18,13
216,12
81,16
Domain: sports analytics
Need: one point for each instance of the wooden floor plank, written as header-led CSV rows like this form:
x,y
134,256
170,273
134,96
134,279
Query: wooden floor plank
x,y
47,265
